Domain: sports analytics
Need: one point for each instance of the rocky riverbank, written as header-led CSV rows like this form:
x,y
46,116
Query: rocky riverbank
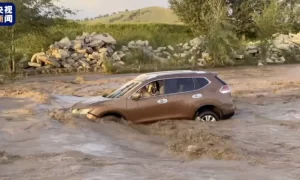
x,y
92,51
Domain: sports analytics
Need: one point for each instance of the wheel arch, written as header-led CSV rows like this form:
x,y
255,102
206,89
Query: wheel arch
x,y
210,107
112,113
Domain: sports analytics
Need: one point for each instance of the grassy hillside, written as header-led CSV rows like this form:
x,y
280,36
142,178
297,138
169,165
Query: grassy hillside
x,y
145,15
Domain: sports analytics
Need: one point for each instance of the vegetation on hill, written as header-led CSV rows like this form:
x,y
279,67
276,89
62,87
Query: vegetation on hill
x,y
145,15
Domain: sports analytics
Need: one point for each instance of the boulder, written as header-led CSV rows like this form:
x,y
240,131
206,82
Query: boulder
x,y
70,61
110,50
65,43
196,41
33,64
89,50
81,51
171,48
103,50
166,53
76,44
97,43
107,38
79,56
186,46
142,43
93,34
295,38
49,61
61,53
160,49
34,57
118,56
124,49
285,47
95,55
149,48
131,45
76,65
84,64
66,65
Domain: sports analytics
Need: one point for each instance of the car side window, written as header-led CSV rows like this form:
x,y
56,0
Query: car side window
x,y
152,89
185,84
200,82
171,86
179,85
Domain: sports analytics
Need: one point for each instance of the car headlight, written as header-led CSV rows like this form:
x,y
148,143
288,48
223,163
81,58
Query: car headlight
x,y
81,111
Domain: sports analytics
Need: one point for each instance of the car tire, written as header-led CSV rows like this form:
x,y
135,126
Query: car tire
x,y
207,116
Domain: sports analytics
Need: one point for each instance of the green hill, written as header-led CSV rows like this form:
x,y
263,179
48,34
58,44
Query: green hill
x,y
145,15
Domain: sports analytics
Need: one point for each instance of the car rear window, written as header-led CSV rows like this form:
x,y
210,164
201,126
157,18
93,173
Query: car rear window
x,y
200,83
220,80
179,85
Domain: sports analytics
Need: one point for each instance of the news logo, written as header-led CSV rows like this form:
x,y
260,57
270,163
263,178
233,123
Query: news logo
x,y
7,14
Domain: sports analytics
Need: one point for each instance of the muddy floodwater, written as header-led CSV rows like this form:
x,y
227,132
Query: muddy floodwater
x,y
40,140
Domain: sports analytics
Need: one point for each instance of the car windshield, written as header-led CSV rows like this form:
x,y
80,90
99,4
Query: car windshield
x,y
124,89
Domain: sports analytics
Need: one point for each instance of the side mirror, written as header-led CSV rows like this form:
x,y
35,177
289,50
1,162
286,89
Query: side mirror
x,y
136,96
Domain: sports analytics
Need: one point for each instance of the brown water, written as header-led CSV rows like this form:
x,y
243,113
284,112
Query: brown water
x,y
40,141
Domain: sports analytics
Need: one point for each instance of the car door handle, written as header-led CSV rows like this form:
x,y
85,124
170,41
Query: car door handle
x,y
195,96
162,101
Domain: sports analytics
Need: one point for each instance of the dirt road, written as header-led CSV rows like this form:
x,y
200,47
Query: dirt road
x,y
40,141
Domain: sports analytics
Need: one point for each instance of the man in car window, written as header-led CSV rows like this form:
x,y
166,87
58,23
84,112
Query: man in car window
x,y
144,92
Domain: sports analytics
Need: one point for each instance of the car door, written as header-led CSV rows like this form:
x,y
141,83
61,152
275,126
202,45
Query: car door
x,y
159,107
193,95
147,108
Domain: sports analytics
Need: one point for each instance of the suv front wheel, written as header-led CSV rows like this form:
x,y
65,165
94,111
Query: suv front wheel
x,y
207,116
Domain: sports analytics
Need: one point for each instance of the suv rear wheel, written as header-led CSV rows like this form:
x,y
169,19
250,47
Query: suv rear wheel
x,y
207,116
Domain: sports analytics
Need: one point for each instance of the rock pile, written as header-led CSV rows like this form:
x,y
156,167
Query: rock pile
x,y
89,51
190,51
85,52
279,45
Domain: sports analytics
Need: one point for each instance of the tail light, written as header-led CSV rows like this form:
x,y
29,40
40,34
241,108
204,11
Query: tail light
x,y
225,89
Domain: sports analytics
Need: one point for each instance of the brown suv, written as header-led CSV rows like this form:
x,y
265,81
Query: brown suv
x,y
185,94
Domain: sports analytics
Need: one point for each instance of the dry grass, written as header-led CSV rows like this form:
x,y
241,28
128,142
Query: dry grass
x,y
145,15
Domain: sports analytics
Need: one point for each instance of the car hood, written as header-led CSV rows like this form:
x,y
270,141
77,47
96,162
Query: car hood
x,y
90,102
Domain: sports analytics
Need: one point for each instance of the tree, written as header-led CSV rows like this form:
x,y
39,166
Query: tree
x,y
242,12
273,19
242,16
33,17
209,18
292,10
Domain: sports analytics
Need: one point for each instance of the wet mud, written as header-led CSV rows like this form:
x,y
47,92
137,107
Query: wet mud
x,y
40,139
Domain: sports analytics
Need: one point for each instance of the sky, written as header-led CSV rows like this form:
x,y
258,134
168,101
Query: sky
x,y
93,8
